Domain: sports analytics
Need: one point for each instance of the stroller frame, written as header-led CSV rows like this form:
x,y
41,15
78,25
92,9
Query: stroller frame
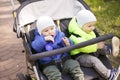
x,y
26,31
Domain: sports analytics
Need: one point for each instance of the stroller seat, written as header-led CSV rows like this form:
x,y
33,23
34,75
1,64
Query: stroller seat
x,y
89,73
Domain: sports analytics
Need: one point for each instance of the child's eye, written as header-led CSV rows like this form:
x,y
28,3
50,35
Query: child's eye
x,y
46,31
89,26
52,28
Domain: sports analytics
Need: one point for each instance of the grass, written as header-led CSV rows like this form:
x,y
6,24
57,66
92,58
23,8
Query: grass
x,y
108,18
108,15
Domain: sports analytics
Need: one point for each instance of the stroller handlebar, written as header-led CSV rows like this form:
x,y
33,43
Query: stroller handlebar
x,y
36,56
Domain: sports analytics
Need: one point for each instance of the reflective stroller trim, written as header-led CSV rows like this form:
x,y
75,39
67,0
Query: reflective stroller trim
x,y
36,73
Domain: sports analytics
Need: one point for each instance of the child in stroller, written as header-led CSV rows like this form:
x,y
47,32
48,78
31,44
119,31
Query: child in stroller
x,y
81,29
47,38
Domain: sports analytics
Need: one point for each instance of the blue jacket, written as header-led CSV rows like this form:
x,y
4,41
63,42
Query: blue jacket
x,y
39,44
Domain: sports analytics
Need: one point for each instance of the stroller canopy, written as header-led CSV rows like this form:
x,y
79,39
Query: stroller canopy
x,y
30,10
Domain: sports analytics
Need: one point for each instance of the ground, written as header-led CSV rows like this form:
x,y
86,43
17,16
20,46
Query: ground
x,y
12,60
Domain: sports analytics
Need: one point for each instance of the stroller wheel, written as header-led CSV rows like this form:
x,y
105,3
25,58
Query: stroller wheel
x,y
28,77
20,76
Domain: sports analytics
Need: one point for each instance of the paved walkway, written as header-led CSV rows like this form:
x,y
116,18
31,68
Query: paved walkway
x,y
12,60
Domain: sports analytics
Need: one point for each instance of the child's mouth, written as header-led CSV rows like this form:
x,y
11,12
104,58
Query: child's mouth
x,y
52,35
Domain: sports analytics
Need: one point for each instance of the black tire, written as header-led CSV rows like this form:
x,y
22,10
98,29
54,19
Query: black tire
x,y
28,77
20,76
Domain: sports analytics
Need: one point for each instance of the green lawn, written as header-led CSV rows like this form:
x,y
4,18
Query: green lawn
x,y
108,15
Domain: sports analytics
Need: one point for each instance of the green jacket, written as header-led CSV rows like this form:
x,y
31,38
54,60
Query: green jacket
x,y
74,28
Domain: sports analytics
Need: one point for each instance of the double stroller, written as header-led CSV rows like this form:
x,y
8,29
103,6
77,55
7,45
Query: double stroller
x,y
61,11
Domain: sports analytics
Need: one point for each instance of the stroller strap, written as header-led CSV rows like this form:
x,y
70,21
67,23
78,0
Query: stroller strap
x,y
59,63
75,34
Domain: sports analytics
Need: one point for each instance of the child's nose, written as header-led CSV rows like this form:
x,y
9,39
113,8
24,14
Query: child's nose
x,y
50,32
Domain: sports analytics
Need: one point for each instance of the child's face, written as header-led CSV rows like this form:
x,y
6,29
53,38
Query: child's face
x,y
49,31
88,27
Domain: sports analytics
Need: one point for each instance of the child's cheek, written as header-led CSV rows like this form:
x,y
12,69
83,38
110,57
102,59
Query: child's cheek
x,y
54,33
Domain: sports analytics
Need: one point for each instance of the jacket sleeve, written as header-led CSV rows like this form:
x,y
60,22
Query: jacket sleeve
x,y
38,43
87,49
77,40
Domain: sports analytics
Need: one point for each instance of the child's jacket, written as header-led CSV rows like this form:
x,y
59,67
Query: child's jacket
x,y
81,37
39,44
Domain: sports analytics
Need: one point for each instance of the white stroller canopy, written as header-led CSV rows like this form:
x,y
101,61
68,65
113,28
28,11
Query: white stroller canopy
x,y
57,9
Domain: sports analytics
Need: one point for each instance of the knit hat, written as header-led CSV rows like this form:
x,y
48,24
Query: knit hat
x,y
85,16
44,22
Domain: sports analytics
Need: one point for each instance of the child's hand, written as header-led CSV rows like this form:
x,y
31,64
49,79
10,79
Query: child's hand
x,y
101,45
49,38
66,41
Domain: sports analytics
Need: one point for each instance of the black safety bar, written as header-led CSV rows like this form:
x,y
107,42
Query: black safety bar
x,y
36,56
